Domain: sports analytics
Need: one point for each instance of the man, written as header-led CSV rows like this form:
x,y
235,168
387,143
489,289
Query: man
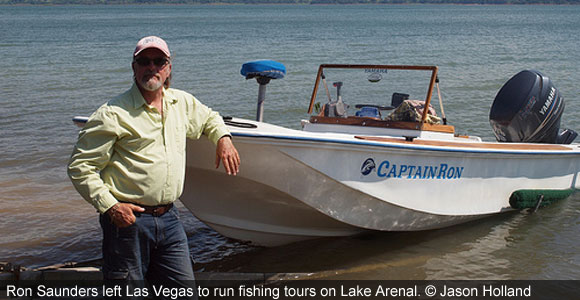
x,y
129,163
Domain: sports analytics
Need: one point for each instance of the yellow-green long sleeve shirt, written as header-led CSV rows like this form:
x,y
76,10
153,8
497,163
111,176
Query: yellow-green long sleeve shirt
x,y
128,152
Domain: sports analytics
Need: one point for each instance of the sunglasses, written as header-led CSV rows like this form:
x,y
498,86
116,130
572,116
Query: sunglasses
x,y
145,61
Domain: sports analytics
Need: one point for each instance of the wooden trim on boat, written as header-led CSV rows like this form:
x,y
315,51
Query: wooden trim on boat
x,y
429,94
478,145
362,121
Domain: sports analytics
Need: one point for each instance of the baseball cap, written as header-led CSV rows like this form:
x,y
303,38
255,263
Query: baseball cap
x,y
152,42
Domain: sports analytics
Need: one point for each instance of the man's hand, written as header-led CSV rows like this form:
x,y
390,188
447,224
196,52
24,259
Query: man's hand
x,y
227,153
122,214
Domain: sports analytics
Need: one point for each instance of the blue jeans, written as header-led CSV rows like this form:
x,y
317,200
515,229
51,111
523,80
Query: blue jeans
x,y
154,249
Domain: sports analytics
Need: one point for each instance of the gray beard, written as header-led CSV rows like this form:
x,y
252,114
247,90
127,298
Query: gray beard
x,y
151,85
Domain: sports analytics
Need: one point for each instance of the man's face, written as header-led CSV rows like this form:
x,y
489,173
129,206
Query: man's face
x,y
151,68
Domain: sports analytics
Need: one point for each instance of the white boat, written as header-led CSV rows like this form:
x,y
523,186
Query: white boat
x,y
339,175
343,174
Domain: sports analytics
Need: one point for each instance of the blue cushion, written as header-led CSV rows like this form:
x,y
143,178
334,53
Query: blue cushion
x,y
265,68
367,111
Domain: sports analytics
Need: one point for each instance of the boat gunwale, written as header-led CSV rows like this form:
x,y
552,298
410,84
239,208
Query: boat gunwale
x,y
479,145
450,147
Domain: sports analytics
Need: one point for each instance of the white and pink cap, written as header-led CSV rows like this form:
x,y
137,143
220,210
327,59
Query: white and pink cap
x,y
152,42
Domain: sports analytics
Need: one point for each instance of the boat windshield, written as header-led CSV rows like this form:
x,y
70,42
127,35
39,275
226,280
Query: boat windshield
x,y
372,91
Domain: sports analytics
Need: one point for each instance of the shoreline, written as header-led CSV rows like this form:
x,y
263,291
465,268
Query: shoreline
x,y
240,3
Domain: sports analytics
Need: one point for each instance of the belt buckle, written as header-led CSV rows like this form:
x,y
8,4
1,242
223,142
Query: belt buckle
x,y
157,212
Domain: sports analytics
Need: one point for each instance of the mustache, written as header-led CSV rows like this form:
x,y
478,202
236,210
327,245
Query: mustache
x,y
148,75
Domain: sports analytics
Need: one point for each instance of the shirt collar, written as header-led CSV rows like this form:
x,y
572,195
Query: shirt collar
x,y
139,101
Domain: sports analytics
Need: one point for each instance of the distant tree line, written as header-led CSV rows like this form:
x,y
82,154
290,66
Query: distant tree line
x,y
60,2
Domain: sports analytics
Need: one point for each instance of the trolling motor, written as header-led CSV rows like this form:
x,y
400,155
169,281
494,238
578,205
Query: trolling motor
x,y
263,71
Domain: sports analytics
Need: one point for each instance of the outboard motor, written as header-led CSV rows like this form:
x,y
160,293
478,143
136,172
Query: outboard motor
x,y
528,109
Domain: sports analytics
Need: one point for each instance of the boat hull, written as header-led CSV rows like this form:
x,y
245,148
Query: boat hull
x,y
297,187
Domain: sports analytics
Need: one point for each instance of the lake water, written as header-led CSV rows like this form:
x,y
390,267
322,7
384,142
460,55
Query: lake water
x,y
62,61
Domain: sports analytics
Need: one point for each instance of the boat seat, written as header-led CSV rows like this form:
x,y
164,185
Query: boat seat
x,y
263,71
397,99
263,68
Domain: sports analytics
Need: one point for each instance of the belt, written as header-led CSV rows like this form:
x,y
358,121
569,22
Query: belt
x,y
156,211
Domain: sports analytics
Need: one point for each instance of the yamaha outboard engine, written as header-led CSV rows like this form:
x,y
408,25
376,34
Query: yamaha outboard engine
x,y
528,109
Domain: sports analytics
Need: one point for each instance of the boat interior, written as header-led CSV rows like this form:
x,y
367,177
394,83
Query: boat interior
x,y
382,83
